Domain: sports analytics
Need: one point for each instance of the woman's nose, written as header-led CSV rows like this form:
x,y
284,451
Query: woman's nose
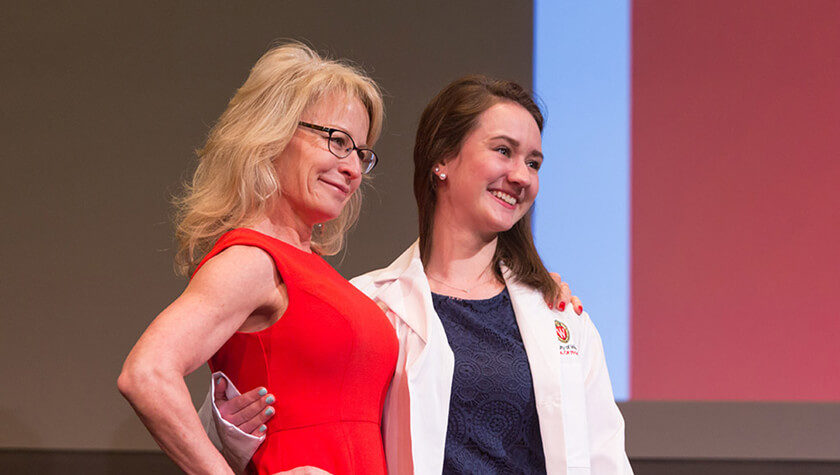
x,y
351,166
520,174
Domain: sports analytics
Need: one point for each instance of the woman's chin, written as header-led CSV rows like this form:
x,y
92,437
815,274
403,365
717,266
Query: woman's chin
x,y
501,225
489,233
324,218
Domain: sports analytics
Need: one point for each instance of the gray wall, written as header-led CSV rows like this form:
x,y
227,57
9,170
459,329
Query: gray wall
x,y
102,107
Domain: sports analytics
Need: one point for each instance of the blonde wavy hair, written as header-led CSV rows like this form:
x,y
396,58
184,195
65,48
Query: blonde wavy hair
x,y
236,175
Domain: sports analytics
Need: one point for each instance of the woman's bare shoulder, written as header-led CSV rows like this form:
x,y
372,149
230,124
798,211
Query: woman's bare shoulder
x,y
246,274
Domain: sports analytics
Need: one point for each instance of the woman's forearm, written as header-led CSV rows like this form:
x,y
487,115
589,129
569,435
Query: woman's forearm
x,y
162,401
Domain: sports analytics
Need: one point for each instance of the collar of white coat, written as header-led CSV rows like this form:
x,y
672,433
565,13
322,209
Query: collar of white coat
x,y
403,285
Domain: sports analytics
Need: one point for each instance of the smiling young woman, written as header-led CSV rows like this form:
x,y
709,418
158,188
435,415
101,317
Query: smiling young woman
x,y
452,120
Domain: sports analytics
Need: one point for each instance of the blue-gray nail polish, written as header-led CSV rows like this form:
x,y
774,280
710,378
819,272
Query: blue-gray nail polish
x,y
270,399
269,411
263,428
263,391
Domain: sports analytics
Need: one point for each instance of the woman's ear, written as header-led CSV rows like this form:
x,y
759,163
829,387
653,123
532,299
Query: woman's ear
x,y
440,171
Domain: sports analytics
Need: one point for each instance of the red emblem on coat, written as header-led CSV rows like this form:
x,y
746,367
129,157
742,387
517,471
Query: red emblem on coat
x,y
562,331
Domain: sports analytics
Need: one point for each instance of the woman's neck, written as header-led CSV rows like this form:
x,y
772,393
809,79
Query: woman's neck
x,y
460,262
282,224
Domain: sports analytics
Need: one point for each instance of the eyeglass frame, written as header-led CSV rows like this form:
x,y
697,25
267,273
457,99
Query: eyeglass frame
x,y
330,131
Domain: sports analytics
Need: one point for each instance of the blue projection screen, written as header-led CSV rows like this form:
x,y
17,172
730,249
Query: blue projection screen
x,y
582,214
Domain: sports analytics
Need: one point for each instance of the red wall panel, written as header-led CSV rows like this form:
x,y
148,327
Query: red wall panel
x,y
736,210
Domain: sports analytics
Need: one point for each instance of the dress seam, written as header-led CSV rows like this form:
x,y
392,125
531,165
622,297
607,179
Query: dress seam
x,y
264,351
340,421
351,353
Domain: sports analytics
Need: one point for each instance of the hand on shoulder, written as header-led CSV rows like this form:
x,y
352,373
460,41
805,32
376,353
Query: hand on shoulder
x,y
565,296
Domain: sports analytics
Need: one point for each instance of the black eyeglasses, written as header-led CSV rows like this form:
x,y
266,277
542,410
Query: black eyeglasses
x,y
341,144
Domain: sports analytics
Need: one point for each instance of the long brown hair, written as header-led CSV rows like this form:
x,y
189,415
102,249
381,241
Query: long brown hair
x,y
445,122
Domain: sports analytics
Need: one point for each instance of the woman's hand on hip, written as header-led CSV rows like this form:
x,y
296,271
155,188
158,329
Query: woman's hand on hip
x,y
248,412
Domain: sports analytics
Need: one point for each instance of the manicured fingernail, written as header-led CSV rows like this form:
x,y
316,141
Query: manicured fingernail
x,y
263,391
551,305
269,411
562,306
263,428
270,399
580,309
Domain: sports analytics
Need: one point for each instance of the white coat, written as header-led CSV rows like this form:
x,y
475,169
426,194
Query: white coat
x,y
581,427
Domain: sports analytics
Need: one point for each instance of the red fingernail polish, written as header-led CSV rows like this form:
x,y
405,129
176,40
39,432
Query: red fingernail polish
x,y
562,306
580,309
551,306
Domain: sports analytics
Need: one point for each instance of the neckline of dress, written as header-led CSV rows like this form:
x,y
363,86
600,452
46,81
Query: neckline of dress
x,y
459,299
284,243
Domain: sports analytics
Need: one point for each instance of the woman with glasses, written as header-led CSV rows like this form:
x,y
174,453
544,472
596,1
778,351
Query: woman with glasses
x,y
490,378
276,187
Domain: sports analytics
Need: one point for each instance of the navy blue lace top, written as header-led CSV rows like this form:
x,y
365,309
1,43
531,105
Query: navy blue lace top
x,y
493,425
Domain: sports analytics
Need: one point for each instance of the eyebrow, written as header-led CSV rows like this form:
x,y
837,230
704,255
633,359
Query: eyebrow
x,y
341,129
515,143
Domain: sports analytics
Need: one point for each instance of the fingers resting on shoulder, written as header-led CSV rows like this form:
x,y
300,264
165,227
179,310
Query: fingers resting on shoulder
x,y
565,296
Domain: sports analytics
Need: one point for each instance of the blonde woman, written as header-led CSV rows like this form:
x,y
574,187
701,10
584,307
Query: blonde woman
x,y
276,187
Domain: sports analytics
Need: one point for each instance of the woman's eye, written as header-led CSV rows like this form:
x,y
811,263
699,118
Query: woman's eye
x,y
339,141
534,164
503,150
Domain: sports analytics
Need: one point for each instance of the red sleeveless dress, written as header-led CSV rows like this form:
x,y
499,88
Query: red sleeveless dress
x,y
328,360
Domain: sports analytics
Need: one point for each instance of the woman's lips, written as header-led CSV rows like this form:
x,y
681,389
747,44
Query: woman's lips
x,y
339,186
506,198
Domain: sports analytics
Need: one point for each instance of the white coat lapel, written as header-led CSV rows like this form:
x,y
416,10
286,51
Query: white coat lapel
x,y
403,287
552,341
530,313
429,362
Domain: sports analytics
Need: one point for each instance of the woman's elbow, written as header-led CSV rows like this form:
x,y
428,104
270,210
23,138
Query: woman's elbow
x,y
127,382
136,378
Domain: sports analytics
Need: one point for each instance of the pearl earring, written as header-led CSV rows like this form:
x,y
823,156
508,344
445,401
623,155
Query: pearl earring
x,y
442,176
